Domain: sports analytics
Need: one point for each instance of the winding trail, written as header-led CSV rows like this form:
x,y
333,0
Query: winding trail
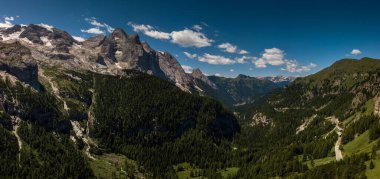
x,y
16,125
338,130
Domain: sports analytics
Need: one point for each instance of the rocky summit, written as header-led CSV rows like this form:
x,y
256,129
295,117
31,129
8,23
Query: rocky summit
x,y
48,46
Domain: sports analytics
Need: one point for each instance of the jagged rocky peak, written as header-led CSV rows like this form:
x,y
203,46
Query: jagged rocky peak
x,y
172,69
147,48
34,33
114,52
118,47
40,35
94,42
11,30
197,74
17,61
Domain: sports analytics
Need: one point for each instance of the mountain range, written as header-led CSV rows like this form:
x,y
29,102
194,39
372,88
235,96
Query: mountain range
x,y
113,107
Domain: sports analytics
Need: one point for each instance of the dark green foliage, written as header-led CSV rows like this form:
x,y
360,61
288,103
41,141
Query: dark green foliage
x,y
5,120
352,167
374,130
46,156
8,155
371,165
360,126
157,124
42,155
40,108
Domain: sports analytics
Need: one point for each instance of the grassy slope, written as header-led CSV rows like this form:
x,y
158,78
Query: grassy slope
x,y
360,144
111,165
375,172
187,170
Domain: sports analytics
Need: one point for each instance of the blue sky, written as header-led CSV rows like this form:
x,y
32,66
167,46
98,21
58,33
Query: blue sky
x,y
292,37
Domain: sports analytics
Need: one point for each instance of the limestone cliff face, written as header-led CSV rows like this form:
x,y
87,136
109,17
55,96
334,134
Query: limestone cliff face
x,y
16,60
49,46
376,111
197,74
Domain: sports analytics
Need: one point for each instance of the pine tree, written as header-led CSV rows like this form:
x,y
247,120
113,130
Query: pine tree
x,y
371,165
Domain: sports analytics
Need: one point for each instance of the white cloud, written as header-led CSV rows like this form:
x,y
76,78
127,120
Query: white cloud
x,y
232,70
230,48
149,31
273,56
215,59
189,55
11,18
276,57
293,66
46,26
227,47
218,74
109,28
242,52
79,39
356,52
197,27
190,38
7,22
242,59
259,63
94,30
98,26
188,69
184,38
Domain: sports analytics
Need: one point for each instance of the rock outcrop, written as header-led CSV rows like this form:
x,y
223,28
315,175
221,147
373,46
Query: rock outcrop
x,y
16,60
105,54
197,74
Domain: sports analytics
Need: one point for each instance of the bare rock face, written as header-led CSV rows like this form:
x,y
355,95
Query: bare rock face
x,y
173,70
94,42
16,60
377,106
34,33
197,74
11,30
118,47
105,54
260,118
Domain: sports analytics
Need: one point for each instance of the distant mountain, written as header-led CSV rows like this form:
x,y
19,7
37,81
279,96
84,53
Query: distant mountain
x,y
232,91
279,80
119,51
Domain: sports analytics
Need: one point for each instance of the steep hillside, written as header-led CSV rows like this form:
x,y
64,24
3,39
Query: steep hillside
x,y
315,122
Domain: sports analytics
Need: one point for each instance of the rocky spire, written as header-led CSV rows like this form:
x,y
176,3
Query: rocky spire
x,y
197,74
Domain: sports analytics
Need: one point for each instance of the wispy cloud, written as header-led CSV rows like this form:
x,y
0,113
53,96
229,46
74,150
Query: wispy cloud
x,y
7,22
197,27
293,66
149,31
230,48
188,69
216,59
79,39
98,27
189,55
94,30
